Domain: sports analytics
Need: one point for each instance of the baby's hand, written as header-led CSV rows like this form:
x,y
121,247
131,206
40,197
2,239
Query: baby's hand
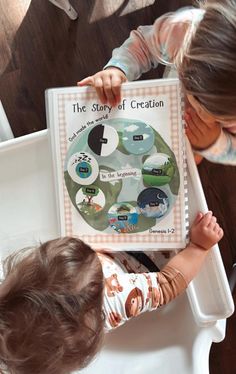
x,y
107,84
200,134
205,231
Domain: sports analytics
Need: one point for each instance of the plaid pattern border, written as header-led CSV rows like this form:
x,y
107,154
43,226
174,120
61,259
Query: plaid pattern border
x,y
179,209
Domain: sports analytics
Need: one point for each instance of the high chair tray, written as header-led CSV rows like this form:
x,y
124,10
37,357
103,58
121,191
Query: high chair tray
x,y
28,215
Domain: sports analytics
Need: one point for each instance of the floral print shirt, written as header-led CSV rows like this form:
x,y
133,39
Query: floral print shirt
x,y
148,46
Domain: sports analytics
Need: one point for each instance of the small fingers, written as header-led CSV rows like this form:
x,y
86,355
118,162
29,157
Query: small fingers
x,y
99,86
198,217
196,121
193,124
89,81
192,136
205,221
116,88
108,90
212,223
216,227
218,230
97,83
220,233
192,139
107,84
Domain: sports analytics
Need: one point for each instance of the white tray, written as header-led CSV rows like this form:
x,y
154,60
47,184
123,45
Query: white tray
x,y
209,293
165,341
28,215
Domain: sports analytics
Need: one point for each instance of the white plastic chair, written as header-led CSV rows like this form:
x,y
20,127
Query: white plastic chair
x,y
5,128
176,338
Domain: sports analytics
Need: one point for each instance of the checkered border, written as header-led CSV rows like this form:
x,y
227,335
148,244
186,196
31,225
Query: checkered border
x,y
178,210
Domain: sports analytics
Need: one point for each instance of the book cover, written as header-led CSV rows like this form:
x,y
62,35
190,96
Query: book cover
x,y
120,172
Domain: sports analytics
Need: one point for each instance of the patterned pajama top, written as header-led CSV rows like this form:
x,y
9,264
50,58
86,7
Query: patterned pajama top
x,y
148,46
129,289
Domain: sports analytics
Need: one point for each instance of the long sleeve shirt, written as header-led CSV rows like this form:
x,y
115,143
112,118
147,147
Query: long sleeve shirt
x,y
148,46
129,289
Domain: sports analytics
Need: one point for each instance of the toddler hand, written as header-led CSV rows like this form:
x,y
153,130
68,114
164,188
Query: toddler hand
x,y
107,84
200,134
205,231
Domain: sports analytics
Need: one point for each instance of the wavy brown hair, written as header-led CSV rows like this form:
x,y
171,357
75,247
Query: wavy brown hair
x,y
207,66
51,319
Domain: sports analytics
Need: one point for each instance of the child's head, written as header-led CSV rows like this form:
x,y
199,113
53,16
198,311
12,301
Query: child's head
x,y
51,319
207,68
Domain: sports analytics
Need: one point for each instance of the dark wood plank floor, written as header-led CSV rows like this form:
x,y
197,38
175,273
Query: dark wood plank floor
x,y
42,48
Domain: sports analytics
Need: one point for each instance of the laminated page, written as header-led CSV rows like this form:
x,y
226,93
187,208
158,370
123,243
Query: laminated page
x,y
120,172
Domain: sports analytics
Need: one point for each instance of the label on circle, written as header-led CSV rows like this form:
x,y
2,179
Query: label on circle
x,y
158,169
138,138
103,140
153,202
123,217
83,168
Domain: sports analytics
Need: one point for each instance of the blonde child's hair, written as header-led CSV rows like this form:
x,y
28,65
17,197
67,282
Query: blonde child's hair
x,y
207,65
51,318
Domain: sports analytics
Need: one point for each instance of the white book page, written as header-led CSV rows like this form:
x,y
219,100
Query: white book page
x,y
120,172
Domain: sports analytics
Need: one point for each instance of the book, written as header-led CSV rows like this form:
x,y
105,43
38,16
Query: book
x,y
120,172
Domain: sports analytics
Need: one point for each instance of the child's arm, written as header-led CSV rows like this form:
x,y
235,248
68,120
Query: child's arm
x,y
144,49
205,232
181,269
137,293
137,55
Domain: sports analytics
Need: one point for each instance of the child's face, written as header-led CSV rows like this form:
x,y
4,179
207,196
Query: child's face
x,y
207,117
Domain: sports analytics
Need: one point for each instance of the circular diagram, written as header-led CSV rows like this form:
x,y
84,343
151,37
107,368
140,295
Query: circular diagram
x,y
103,140
138,138
153,202
121,191
158,169
90,200
83,168
123,217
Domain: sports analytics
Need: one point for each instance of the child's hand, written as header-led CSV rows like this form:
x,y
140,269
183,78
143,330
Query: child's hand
x,y
107,84
200,134
205,231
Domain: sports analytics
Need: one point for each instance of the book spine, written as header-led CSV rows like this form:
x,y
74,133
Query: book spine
x,y
50,118
185,173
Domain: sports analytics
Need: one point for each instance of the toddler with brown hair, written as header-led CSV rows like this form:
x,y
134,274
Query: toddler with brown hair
x,y
58,300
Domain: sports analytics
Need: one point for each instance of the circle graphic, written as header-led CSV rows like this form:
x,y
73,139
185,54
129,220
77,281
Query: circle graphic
x,y
153,202
138,138
158,169
123,217
96,184
83,168
90,200
103,140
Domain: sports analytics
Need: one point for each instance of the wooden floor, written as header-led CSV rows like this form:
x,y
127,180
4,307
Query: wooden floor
x,y
42,48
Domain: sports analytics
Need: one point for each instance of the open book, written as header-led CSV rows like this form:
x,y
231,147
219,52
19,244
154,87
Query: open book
x,y
120,172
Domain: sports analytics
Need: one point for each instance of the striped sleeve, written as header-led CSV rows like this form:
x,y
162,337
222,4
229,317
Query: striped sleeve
x,y
148,46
